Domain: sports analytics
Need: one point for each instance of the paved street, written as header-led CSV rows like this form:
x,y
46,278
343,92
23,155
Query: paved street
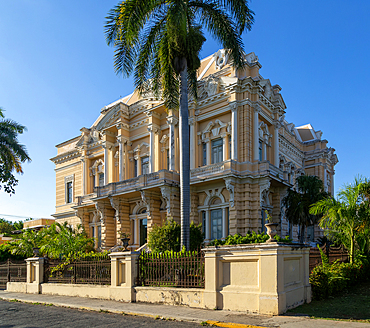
x,y
18,315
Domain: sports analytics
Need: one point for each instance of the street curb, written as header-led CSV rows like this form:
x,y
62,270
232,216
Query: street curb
x,y
137,314
231,325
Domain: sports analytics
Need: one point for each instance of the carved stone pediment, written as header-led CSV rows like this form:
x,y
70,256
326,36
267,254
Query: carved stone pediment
x,y
209,87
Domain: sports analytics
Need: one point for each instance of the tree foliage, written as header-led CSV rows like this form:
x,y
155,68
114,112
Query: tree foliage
x,y
56,241
167,237
6,227
310,189
12,153
347,218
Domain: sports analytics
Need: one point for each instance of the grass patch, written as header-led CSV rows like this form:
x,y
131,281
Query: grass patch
x,y
352,305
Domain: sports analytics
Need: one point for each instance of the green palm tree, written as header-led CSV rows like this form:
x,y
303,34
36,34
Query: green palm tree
x,y
346,219
160,41
12,153
310,189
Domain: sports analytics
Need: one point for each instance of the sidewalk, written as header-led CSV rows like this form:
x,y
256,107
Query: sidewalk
x,y
217,317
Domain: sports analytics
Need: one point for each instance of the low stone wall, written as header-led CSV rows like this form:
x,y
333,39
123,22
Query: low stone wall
x,y
265,278
172,296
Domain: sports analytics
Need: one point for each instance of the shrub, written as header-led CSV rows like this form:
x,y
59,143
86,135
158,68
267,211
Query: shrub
x,y
167,237
331,279
249,238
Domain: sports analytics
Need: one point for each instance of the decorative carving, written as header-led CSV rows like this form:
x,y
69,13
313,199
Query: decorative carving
x,y
168,196
264,191
212,193
257,108
145,202
97,167
115,202
230,188
221,58
251,58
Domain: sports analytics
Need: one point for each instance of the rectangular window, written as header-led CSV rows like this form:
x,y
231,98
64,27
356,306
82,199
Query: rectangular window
x,y
168,159
311,233
69,192
135,168
204,154
217,151
263,221
145,165
99,236
204,222
101,179
260,150
216,224
229,146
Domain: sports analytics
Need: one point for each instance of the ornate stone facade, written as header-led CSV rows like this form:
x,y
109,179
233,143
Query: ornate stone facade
x,y
244,156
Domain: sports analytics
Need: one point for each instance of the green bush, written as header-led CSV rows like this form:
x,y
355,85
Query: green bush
x,y
331,279
249,238
167,237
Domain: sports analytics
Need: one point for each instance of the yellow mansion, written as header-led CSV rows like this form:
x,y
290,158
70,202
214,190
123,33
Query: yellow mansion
x,y
122,173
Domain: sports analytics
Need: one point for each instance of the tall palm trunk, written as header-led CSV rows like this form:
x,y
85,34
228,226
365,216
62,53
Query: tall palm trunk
x,y
184,159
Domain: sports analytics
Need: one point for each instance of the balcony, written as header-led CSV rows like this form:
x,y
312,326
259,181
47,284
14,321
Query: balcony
x,y
144,181
213,170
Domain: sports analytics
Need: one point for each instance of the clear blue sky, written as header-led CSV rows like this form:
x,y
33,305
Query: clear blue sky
x,y
56,73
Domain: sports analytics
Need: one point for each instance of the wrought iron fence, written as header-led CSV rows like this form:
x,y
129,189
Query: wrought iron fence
x,y
333,253
12,271
171,269
83,271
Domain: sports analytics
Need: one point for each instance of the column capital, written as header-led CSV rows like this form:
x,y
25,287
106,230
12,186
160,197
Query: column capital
x,y
122,139
172,120
257,108
277,124
233,106
153,128
192,120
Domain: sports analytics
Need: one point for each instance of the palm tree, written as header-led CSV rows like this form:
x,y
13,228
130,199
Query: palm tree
x,y
12,153
346,219
160,41
310,189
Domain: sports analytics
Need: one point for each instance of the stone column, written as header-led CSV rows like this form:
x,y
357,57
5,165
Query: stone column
x,y
208,225
276,143
234,131
171,122
225,147
121,157
209,152
151,130
224,223
257,110
106,163
192,142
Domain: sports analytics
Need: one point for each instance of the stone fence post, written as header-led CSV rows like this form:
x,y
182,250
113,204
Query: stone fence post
x,y
123,275
35,274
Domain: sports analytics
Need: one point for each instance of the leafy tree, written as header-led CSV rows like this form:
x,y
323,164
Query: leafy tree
x,y
61,240
12,153
160,41
310,189
6,227
56,241
167,237
346,219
